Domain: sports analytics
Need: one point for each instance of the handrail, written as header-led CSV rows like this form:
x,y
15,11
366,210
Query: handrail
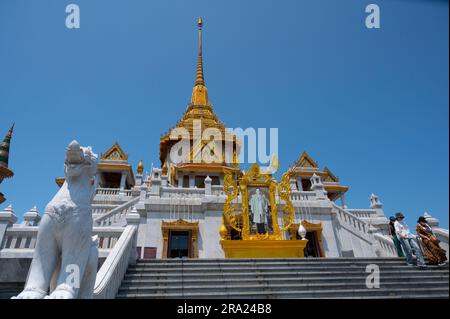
x,y
110,275
302,195
24,237
386,244
354,222
119,209
441,232
362,213
181,191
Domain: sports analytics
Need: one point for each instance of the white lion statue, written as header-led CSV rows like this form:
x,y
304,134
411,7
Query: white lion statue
x,y
66,256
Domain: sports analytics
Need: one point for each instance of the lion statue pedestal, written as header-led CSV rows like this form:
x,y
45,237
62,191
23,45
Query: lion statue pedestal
x,y
66,256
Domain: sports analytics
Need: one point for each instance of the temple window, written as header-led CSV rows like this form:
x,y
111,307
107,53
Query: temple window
x,y
200,181
215,180
306,184
186,181
110,180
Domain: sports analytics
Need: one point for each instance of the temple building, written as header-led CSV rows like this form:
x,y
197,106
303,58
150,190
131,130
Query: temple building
x,y
205,206
181,206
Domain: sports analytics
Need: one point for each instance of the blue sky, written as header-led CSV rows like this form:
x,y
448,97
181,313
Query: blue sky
x,y
372,105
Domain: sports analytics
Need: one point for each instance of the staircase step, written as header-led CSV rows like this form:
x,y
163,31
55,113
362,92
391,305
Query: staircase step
x,y
411,272
159,283
332,293
281,278
271,269
262,260
271,286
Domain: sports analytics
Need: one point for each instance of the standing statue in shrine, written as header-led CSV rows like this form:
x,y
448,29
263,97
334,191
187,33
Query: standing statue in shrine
x,y
260,210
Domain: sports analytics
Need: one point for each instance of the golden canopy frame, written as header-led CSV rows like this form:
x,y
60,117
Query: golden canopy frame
x,y
255,245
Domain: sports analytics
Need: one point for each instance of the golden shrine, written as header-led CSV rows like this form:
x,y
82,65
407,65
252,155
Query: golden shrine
x,y
268,242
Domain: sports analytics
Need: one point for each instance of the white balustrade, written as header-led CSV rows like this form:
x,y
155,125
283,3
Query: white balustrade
x,y
101,209
386,244
182,192
110,275
23,239
217,190
107,191
357,225
302,196
20,237
363,213
116,214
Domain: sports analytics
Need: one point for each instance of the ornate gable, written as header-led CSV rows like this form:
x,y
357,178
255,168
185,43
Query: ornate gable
x,y
114,153
306,161
330,177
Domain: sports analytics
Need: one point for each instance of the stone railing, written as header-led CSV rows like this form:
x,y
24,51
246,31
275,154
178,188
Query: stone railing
x,y
302,195
101,209
107,236
107,191
116,214
20,237
442,235
112,195
217,190
353,223
386,244
21,240
363,213
126,192
182,192
110,275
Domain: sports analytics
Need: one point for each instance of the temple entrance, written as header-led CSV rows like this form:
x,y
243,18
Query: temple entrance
x,y
312,247
179,242
179,239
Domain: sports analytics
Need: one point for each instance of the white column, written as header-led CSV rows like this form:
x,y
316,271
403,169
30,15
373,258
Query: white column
x,y
31,218
317,186
139,179
293,184
134,219
343,201
299,183
7,219
191,181
180,181
123,179
208,185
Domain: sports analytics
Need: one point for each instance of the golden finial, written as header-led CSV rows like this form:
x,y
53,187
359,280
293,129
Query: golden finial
x,y
199,93
140,168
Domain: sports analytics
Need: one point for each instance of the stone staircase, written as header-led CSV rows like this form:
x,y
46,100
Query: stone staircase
x,y
9,289
281,278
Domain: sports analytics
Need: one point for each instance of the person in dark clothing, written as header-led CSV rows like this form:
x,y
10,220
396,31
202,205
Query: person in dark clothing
x,y
394,237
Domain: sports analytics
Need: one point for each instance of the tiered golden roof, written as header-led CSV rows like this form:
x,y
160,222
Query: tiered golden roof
x,y
199,108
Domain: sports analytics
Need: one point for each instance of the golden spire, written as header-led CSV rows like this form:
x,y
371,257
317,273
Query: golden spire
x,y
140,168
199,93
199,77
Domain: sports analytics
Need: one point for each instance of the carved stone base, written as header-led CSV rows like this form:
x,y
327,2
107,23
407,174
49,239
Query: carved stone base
x,y
264,248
